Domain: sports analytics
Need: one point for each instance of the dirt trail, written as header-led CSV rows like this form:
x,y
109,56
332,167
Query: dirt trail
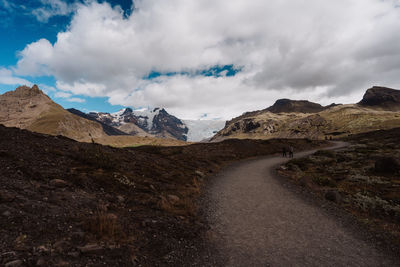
x,y
256,221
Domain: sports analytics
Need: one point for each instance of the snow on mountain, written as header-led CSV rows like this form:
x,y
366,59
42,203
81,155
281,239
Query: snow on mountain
x,y
200,130
158,122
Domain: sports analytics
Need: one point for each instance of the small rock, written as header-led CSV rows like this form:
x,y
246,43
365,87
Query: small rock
x,y
6,213
200,173
332,195
41,262
91,249
74,254
60,246
15,263
78,235
58,183
282,168
173,198
42,249
120,198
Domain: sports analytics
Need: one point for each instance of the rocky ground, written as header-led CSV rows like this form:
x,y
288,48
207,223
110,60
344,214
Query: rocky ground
x,y
65,203
363,179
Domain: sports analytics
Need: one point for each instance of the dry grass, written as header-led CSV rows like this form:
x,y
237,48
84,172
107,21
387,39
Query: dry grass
x,y
135,141
105,226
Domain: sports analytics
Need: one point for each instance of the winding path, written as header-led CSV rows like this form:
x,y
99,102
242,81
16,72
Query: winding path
x,y
256,221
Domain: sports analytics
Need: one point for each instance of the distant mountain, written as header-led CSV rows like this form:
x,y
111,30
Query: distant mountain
x,y
106,128
31,109
304,119
157,122
381,97
301,106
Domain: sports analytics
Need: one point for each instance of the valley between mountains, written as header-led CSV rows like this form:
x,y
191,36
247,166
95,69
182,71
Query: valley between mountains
x,y
138,188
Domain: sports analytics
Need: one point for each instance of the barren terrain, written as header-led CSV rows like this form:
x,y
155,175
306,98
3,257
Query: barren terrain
x,y
64,202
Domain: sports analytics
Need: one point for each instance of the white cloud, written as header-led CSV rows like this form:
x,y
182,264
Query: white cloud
x,y
7,77
51,8
62,94
46,88
296,49
76,99
68,97
35,59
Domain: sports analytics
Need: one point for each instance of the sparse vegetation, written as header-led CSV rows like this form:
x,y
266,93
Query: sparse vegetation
x,y
104,226
366,175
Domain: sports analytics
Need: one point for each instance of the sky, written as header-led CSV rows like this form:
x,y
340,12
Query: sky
x,y
209,59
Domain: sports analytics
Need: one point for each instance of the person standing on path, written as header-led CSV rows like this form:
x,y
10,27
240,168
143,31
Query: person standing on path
x,y
291,150
284,152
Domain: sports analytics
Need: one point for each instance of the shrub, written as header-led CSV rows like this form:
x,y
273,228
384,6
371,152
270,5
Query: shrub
x,y
301,162
325,153
323,181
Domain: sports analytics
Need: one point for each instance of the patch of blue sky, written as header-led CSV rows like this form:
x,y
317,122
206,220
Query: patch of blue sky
x,y
215,71
97,104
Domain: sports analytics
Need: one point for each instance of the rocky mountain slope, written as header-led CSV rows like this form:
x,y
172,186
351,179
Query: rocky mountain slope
x,y
300,119
29,108
381,98
106,128
157,122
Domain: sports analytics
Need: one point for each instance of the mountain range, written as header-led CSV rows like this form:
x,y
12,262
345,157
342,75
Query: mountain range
x,y
29,108
379,109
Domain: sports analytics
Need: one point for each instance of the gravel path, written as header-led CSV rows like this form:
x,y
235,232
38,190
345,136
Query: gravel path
x,y
256,221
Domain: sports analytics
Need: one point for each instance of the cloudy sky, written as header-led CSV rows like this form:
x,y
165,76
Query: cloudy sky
x,y
199,58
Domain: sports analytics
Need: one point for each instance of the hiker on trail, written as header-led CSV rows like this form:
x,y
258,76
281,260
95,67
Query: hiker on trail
x,y
284,152
291,152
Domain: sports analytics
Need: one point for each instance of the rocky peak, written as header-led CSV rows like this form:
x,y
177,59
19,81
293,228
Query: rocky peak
x,y
26,91
127,111
382,97
287,106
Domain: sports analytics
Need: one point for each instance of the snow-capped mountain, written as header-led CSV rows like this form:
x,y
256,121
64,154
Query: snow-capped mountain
x,y
157,122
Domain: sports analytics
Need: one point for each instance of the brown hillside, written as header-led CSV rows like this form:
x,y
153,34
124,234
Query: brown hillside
x,y
29,108
333,121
